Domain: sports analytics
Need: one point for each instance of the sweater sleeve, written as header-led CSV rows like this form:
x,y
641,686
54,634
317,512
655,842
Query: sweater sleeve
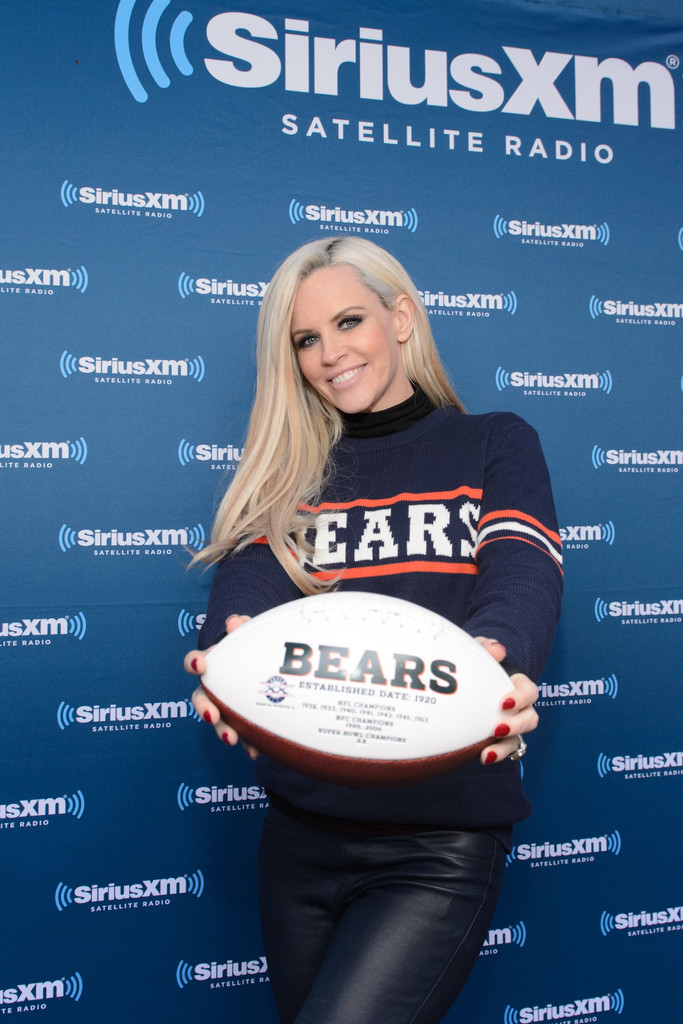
x,y
516,598
246,583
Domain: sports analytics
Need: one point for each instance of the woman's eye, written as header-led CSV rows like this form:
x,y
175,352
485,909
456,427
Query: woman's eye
x,y
305,342
350,321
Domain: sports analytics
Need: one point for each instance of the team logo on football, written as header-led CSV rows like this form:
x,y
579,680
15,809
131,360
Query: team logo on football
x,y
275,690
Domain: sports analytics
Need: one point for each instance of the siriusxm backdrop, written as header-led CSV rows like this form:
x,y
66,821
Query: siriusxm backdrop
x,y
523,160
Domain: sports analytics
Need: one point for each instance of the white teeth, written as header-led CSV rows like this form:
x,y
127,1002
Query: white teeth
x,y
344,376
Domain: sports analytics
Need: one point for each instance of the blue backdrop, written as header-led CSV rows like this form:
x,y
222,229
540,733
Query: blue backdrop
x,y
523,161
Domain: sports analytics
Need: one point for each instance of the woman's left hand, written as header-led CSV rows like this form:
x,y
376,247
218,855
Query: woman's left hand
x,y
521,717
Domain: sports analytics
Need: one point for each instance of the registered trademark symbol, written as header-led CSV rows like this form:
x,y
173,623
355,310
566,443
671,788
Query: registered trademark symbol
x,y
672,61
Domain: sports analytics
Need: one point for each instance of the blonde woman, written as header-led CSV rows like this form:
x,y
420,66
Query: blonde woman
x,y
362,471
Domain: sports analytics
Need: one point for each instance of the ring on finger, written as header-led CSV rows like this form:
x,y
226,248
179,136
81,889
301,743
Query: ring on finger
x,y
520,751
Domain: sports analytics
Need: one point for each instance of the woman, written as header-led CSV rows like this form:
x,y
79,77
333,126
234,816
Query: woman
x,y
361,471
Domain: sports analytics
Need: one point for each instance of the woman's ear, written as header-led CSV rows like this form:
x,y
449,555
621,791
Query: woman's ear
x,y
404,311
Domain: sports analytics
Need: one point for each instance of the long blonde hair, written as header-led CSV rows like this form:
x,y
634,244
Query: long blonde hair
x,y
292,430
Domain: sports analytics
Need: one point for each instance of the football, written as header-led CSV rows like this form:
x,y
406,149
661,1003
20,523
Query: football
x,y
357,689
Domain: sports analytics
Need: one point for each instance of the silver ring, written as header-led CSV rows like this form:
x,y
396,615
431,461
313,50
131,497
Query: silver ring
x,y
520,751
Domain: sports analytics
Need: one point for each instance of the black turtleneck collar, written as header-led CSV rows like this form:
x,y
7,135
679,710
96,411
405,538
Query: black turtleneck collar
x,y
388,421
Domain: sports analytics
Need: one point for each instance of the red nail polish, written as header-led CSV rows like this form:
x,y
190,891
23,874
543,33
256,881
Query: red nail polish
x,y
491,757
193,664
502,730
207,717
508,703
225,737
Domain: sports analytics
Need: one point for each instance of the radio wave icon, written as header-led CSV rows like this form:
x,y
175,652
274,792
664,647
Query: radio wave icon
x,y
186,622
604,765
598,456
66,715
603,233
150,28
69,193
64,895
607,532
595,306
611,686
185,286
511,1016
605,381
502,378
185,452
614,843
79,279
196,368
680,238
73,987
184,974
512,855
616,1001
67,538
76,804
68,364
296,211
600,609
410,220
500,226
78,450
196,536
77,626
510,303
195,884
196,203
185,796
606,922
519,933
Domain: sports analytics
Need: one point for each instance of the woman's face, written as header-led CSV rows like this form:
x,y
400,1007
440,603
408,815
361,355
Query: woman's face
x,y
348,345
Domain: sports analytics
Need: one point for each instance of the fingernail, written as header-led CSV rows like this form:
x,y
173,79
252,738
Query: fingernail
x,y
193,664
225,737
508,703
490,757
207,717
502,730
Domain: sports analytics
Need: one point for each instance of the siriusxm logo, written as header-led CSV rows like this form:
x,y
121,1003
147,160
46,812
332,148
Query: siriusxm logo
x,y
41,991
514,935
40,281
43,807
256,54
669,763
228,972
553,384
152,892
131,370
577,691
35,631
153,714
208,453
77,450
153,204
187,622
236,293
132,541
573,235
628,311
611,1003
582,536
639,611
369,221
635,461
469,304
644,922
220,797
572,851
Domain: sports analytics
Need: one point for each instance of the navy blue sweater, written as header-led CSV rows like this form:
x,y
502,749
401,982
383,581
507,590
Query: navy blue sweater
x,y
454,513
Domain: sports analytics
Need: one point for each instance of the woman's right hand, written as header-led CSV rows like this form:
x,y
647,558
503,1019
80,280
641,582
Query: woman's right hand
x,y
195,664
